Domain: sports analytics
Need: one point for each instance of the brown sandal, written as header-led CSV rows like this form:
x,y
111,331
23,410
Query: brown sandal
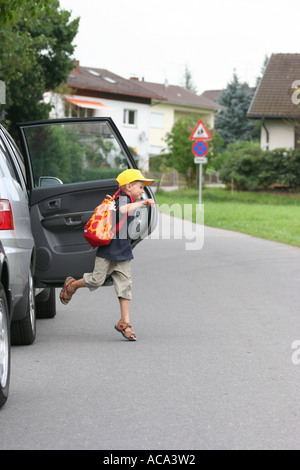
x,y
67,292
121,327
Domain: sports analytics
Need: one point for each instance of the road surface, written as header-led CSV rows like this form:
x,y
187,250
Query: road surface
x,y
213,368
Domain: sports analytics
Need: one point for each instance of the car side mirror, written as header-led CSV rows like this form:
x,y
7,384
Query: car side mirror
x,y
47,181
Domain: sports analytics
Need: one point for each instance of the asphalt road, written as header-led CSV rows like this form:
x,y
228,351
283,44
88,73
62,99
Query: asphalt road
x,y
213,367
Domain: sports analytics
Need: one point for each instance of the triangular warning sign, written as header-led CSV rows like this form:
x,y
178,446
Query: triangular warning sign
x,y
200,132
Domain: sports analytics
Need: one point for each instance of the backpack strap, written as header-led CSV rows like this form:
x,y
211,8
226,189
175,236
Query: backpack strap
x,y
118,194
121,222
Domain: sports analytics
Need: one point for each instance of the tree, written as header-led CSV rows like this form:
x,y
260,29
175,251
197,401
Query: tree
x,y
187,80
214,156
9,8
180,155
262,70
232,122
35,55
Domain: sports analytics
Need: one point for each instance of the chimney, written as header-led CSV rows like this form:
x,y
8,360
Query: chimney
x,y
76,67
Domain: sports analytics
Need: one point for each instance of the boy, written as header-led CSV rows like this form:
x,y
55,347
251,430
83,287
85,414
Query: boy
x,y
115,258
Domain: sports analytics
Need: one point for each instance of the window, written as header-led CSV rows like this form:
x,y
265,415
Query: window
x,y
18,156
72,110
109,80
7,167
75,152
157,120
130,117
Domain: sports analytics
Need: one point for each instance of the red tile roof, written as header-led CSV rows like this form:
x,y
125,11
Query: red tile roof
x,y
103,81
92,81
181,96
273,97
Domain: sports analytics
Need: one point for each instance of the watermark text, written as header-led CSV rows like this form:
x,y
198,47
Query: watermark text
x,y
296,93
296,353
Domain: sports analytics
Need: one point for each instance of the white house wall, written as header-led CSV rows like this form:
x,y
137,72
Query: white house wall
x,y
135,136
281,134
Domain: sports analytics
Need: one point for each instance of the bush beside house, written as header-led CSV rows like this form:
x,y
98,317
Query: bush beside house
x,y
248,168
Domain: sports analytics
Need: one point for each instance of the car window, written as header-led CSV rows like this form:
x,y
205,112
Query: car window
x,y
74,152
18,155
8,169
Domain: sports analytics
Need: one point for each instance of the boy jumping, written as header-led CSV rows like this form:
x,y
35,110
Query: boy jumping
x,y
114,259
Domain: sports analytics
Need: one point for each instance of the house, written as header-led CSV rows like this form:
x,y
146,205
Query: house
x,y
275,105
143,111
175,102
94,92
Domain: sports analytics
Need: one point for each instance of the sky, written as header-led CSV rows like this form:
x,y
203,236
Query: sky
x,y
157,39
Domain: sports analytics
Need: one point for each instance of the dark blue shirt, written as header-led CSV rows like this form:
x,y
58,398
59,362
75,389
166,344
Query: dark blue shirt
x,y
119,248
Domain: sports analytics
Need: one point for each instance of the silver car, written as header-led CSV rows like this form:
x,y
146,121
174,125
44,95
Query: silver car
x,y
18,259
48,193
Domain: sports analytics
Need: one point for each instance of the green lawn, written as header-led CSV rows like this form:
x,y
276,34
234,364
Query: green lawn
x,y
267,216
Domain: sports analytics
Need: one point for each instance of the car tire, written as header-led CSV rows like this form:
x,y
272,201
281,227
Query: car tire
x,y
4,347
46,308
23,332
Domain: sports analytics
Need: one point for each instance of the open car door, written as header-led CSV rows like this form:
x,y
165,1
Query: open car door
x,y
71,165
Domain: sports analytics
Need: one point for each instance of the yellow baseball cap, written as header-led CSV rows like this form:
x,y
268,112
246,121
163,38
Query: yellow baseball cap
x,y
130,175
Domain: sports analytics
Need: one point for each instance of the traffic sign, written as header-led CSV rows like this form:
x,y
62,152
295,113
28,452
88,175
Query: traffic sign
x,y
200,160
200,132
200,148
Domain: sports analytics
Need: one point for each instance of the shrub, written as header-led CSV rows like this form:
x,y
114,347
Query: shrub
x,y
250,168
89,174
242,163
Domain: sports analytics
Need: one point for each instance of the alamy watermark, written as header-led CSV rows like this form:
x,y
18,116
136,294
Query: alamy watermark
x,y
296,353
296,93
176,222
2,93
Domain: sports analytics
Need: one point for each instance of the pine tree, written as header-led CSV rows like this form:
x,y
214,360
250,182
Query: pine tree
x,y
232,122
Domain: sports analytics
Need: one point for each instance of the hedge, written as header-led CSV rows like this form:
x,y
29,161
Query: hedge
x,y
89,174
250,168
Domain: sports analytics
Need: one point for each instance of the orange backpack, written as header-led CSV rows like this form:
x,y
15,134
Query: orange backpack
x,y
100,229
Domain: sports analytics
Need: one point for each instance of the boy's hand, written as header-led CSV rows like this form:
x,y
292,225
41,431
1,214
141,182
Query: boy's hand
x,y
129,208
149,202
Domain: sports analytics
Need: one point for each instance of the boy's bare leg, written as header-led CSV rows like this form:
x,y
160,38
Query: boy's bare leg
x,y
124,306
77,284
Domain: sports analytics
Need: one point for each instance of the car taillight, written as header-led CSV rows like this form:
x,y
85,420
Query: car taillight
x,y
6,216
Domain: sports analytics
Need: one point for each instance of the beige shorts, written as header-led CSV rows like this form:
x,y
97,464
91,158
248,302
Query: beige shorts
x,y
120,272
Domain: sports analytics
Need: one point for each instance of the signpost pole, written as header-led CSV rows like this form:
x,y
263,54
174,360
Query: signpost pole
x,y
200,161
200,185
200,148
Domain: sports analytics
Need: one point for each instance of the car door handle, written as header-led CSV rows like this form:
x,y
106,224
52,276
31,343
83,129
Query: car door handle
x,y
53,204
75,220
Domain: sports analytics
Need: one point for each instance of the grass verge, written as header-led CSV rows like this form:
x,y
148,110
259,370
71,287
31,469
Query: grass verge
x,y
269,216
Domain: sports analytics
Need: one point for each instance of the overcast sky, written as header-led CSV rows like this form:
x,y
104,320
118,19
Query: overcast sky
x,y
156,39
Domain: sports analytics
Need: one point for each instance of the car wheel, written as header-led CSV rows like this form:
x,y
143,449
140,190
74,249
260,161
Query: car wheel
x,y
4,348
23,331
46,308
